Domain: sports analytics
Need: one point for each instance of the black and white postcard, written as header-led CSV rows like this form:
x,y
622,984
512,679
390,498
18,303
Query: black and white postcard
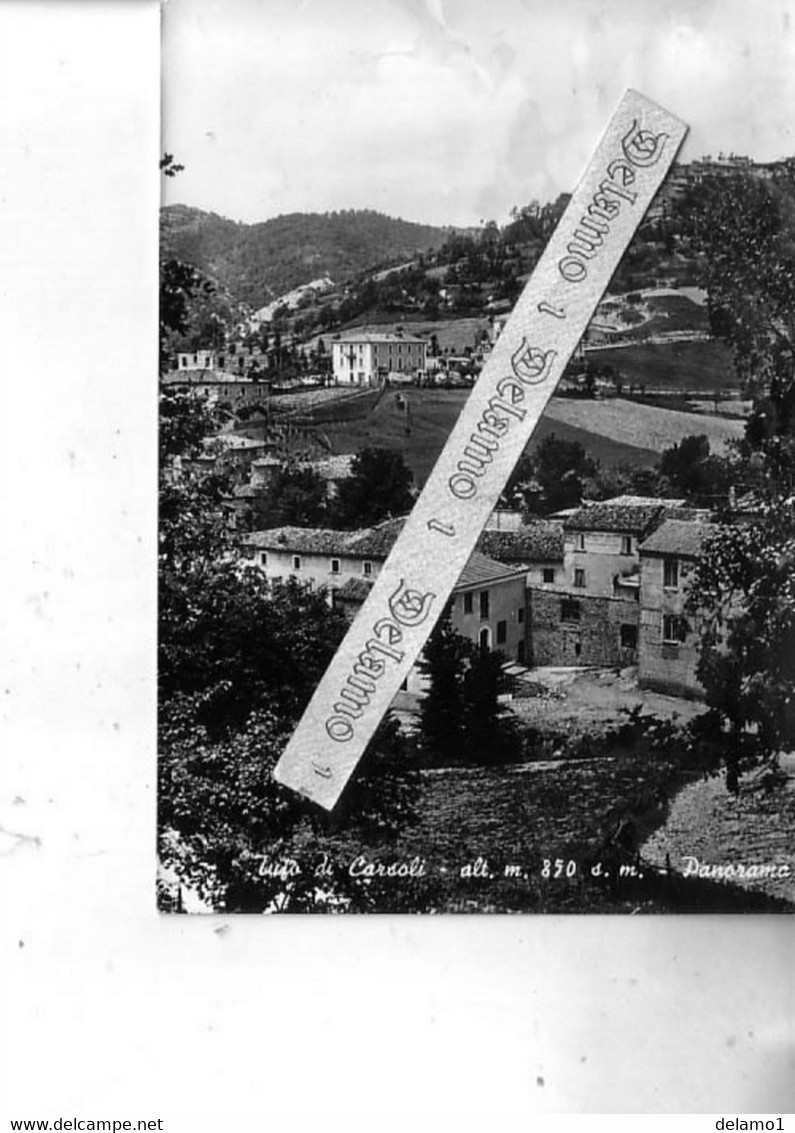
x,y
354,198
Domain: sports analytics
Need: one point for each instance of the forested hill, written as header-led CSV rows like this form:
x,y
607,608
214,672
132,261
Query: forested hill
x,y
256,262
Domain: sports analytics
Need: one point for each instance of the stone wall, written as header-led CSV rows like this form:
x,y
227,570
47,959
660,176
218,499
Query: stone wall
x,y
557,638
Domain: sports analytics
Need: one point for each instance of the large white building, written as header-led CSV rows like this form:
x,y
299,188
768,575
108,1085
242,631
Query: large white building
x,y
362,358
198,360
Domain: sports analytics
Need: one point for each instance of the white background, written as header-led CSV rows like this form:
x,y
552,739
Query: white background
x,y
109,1010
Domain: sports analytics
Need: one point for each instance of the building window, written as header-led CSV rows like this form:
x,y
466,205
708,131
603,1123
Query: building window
x,y
296,562
468,603
626,544
520,653
569,610
520,615
484,639
502,632
579,577
580,543
674,629
263,558
671,574
549,574
367,568
335,566
484,604
629,637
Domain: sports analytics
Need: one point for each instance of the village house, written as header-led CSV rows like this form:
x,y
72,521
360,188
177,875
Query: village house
x,y
364,358
198,360
333,471
591,615
605,587
669,635
488,603
215,385
536,548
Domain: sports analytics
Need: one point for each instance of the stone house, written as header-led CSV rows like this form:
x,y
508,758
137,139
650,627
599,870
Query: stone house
x,y
536,547
669,635
591,615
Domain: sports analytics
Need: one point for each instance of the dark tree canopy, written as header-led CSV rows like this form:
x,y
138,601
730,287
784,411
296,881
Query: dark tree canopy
x,y
561,469
691,469
379,488
461,714
742,586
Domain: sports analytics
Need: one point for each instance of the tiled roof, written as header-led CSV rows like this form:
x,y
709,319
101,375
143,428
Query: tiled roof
x,y
370,543
541,541
638,501
235,442
309,540
375,542
205,377
480,568
247,492
629,519
375,336
678,537
354,590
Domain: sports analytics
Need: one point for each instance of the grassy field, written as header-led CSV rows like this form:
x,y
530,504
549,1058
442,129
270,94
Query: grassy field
x,y
644,426
614,430
703,366
527,837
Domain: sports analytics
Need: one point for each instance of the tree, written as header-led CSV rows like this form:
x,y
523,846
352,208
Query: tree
x,y
489,728
238,659
561,467
379,487
181,287
296,497
742,586
461,715
691,469
245,844
743,591
442,708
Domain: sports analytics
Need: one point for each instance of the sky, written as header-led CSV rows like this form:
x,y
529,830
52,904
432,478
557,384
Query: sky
x,y
451,111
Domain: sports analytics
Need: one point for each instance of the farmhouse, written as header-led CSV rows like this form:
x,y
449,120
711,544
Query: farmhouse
x,y
363,358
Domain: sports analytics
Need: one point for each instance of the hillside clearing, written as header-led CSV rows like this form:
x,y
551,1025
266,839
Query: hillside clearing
x,y
643,426
693,366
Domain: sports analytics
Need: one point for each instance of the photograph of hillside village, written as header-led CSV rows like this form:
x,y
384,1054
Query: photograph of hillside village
x,y
603,720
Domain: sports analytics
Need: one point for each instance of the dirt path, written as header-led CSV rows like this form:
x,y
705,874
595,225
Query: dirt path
x,y
588,701
709,827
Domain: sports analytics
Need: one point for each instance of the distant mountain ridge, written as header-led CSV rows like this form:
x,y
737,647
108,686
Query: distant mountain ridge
x,y
256,263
